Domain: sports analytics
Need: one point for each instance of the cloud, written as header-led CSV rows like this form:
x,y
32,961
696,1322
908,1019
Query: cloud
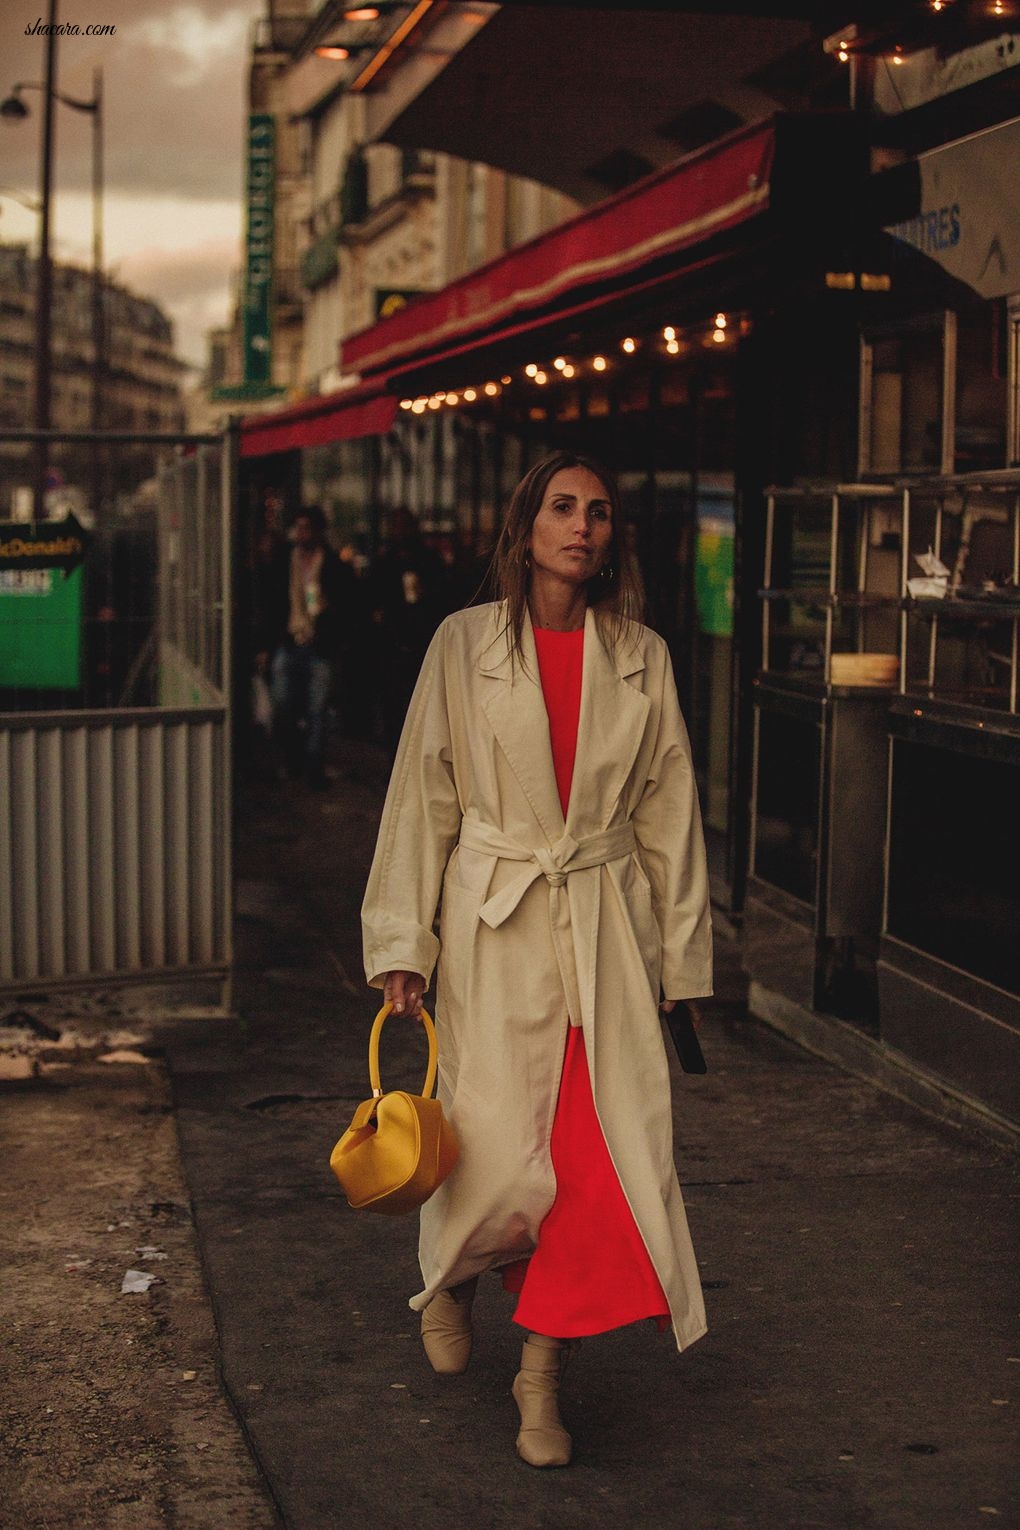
x,y
192,318
176,273
174,107
194,284
173,95
196,46
183,255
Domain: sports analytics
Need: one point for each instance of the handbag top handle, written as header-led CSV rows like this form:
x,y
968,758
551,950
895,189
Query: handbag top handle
x,y
373,1052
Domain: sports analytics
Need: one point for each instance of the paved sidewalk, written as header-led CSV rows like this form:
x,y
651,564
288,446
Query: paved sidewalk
x,y
112,1416
859,1259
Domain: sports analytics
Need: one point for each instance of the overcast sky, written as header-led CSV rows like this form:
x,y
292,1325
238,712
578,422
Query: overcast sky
x,y
174,81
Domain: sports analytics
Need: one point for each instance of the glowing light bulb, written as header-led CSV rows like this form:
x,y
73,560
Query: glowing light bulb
x,y
599,363
506,381
407,403
491,389
719,336
673,347
470,395
361,13
333,51
560,363
419,406
531,370
843,55
567,369
897,57
720,321
629,345
435,403
541,378
669,333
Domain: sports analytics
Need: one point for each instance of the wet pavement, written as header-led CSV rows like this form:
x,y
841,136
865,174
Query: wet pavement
x,y
859,1259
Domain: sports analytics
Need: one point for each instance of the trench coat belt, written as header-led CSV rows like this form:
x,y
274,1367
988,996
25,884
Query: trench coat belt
x,y
555,862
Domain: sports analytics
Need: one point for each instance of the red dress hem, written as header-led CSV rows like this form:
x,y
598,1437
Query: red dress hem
x,y
591,1271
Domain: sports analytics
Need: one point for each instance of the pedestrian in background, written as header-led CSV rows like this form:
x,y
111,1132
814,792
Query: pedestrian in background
x,y
314,593
543,785
406,588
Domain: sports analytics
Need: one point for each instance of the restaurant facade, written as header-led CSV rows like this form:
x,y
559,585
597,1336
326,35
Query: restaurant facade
x,y
804,375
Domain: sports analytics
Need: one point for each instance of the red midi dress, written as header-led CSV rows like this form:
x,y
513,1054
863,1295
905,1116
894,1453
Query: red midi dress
x,y
591,1271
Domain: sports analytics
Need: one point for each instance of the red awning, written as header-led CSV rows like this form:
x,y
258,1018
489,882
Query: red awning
x,y
703,195
343,416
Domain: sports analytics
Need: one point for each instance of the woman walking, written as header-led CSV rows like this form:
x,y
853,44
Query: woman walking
x,y
543,787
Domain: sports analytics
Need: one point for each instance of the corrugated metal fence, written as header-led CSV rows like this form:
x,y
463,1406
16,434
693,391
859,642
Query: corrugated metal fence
x,y
115,842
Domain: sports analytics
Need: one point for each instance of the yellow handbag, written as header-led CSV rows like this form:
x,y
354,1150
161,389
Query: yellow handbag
x,y
399,1146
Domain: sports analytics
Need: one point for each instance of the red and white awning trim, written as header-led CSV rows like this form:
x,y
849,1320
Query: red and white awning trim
x,y
705,194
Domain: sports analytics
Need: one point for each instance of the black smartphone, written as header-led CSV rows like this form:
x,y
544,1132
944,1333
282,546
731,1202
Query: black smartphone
x,y
685,1039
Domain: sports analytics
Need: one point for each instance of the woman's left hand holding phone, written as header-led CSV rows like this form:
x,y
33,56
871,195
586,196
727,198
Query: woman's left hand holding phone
x,y
404,991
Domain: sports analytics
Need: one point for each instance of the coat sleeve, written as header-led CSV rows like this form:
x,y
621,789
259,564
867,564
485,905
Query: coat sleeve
x,y
419,828
667,823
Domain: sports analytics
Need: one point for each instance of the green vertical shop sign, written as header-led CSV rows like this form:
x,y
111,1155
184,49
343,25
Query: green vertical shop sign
x,y
40,628
258,286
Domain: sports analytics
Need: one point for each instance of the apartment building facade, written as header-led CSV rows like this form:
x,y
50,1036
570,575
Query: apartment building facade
x,y
139,377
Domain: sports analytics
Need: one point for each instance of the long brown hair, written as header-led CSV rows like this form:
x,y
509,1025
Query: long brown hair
x,y
615,593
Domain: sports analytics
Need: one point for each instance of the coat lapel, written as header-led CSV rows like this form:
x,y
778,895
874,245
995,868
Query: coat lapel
x,y
609,733
516,711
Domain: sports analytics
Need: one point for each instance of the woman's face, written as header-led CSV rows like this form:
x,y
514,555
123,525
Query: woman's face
x,y
572,533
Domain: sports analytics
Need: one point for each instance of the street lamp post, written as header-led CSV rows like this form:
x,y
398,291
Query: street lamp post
x,y
44,280
14,109
98,327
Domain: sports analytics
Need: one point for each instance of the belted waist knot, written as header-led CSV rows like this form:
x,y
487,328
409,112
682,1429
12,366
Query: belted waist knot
x,y
554,862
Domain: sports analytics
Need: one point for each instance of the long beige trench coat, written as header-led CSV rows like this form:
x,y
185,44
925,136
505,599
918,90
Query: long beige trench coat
x,y
545,920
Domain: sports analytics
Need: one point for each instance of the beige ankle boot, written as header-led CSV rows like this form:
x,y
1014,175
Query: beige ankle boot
x,y
446,1328
542,1440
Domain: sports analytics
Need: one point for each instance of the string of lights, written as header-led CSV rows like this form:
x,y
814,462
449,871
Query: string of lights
x,y
671,341
845,44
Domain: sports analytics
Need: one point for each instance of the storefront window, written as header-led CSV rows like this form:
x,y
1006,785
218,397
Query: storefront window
x,y
568,406
935,393
336,476
717,427
953,889
800,563
786,818
982,382
489,508
635,395
513,468
598,403
903,422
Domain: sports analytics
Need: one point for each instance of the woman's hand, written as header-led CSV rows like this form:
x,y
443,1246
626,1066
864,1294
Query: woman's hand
x,y
404,990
